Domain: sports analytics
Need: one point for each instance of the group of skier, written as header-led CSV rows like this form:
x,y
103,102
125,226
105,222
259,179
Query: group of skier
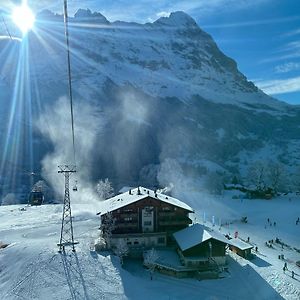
x,y
271,223
285,268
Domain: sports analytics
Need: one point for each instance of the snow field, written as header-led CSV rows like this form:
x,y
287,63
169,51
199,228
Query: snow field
x,y
31,267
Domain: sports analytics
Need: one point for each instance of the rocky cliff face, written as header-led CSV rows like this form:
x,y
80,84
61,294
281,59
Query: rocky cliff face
x,y
161,92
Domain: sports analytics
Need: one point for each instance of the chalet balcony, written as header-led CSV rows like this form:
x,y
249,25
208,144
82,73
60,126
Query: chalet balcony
x,y
167,214
126,224
175,222
128,215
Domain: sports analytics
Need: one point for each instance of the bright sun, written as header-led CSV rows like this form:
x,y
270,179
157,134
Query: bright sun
x,y
23,17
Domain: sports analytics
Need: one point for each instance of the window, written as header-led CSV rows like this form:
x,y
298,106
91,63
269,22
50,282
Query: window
x,y
129,243
128,219
148,209
161,240
136,242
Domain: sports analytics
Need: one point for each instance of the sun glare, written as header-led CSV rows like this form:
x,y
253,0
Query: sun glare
x,y
23,17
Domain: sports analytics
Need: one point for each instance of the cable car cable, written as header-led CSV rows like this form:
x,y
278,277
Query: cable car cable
x,y
66,22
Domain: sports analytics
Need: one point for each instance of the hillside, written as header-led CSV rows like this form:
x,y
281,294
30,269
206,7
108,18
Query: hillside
x,y
31,268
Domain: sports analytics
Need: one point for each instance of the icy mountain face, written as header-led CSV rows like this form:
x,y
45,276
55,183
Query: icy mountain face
x,y
171,57
163,92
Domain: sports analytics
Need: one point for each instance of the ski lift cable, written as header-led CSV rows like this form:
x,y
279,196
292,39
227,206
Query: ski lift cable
x,y
66,22
5,25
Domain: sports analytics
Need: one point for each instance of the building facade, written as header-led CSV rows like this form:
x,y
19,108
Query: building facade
x,y
143,218
201,248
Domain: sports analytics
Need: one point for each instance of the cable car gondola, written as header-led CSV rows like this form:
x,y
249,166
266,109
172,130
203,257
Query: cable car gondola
x,y
75,187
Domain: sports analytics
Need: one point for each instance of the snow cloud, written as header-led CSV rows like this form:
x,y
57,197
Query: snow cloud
x,y
56,127
280,86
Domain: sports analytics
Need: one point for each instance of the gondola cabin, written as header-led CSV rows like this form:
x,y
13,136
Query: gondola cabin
x,y
36,198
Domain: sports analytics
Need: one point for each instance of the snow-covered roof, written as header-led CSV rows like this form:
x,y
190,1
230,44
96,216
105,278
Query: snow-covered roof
x,y
125,189
239,244
197,234
127,198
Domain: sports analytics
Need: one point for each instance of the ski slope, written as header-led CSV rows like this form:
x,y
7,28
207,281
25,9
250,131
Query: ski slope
x,y
31,267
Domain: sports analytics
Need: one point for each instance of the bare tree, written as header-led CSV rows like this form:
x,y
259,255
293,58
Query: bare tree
x,y
104,189
276,175
121,250
41,186
257,175
150,259
107,227
99,244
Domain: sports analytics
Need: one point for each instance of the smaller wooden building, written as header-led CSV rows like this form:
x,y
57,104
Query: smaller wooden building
x,y
240,247
201,248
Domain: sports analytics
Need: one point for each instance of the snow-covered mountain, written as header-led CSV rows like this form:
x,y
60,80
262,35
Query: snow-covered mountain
x,y
160,93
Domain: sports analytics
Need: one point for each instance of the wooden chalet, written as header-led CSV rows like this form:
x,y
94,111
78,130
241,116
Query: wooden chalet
x,y
201,248
241,248
143,218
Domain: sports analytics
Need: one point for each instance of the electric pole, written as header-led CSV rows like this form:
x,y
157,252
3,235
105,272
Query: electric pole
x,y
66,234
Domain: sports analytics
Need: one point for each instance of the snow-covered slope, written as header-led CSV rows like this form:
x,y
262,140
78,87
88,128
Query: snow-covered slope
x,y
31,268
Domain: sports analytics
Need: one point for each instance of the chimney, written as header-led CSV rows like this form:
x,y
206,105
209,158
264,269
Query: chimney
x,y
130,192
138,191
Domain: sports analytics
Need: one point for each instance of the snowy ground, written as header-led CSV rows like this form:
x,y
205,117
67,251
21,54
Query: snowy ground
x,y
31,267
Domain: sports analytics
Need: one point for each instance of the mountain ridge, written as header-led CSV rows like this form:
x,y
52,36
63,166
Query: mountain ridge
x,y
184,26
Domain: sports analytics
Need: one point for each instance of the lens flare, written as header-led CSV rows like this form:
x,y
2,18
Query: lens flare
x,y
23,17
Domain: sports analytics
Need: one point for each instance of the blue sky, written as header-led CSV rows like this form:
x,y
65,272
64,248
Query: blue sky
x,y
263,36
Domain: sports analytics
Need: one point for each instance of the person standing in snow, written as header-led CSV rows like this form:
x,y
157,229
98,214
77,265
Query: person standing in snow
x,y
293,274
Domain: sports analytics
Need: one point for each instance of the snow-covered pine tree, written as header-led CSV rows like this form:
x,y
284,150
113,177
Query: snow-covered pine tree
x,y
104,189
